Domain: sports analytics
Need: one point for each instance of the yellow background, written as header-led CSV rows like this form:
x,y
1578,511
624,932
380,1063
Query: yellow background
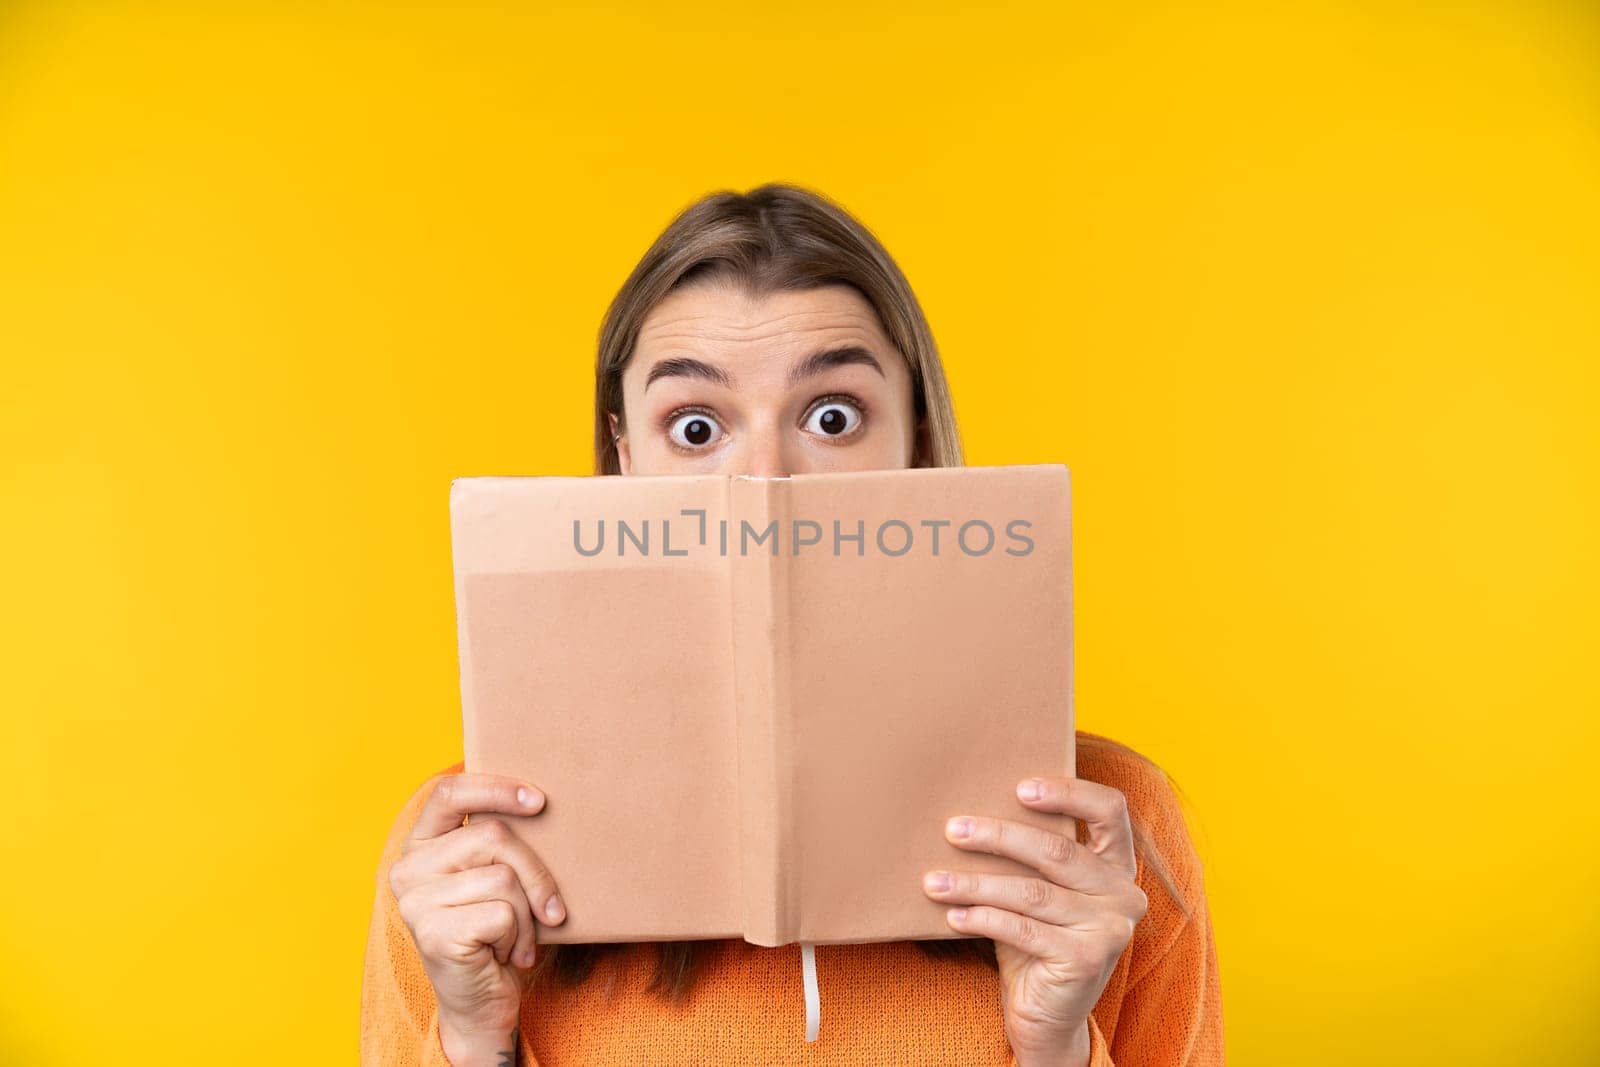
x,y
1307,296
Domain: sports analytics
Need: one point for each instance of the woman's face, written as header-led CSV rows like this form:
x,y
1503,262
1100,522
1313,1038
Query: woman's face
x,y
792,383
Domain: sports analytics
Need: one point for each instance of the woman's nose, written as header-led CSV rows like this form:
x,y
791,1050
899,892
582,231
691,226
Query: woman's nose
x,y
764,457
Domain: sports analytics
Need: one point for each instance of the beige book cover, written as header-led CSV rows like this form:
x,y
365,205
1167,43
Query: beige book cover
x,y
752,703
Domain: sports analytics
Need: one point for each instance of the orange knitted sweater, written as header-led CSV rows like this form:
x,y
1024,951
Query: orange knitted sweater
x,y
885,1003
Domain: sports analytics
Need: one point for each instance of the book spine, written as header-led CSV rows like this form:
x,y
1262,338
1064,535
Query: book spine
x,y
756,519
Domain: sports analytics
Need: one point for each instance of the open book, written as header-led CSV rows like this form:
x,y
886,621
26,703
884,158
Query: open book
x,y
752,703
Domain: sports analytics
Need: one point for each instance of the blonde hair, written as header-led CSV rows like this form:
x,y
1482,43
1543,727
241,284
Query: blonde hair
x,y
771,239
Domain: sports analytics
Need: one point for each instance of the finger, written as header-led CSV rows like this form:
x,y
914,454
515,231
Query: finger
x,y
1103,809
422,908
485,923
488,840
1056,856
1019,931
1036,897
459,795
433,903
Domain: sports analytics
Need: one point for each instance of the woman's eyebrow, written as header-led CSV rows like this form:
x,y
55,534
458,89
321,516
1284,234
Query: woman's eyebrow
x,y
816,363
682,367
829,358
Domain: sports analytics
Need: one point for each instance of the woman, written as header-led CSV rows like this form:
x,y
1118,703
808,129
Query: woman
x,y
771,334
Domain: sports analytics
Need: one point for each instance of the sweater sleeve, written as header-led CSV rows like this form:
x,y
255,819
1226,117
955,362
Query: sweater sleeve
x,y
1165,1008
1172,1014
399,1013
1099,1054
1171,1011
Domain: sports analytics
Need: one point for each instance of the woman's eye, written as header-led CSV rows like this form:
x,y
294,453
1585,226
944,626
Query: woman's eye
x,y
693,430
833,418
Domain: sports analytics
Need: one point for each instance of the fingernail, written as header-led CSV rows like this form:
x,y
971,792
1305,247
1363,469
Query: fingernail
x,y
958,914
960,827
938,881
528,798
526,959
1032,789
554,910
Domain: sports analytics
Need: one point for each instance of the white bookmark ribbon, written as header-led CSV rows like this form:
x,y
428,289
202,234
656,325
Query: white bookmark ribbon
x,y
808,968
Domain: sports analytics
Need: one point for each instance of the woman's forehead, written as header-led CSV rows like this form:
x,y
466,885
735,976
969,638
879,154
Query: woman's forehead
x,y
706,319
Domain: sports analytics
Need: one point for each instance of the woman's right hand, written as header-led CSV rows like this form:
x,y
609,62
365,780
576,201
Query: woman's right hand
x,y
471,895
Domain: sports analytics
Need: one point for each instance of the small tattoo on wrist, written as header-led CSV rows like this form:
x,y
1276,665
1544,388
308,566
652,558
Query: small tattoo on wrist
x,y
508,1057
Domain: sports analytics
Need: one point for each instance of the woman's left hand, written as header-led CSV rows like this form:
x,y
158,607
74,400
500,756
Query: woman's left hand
x,y
1057,937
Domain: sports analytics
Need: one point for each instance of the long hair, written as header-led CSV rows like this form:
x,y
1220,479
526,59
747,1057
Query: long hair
x,y
777,238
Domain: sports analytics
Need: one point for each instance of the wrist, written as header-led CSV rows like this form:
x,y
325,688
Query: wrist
x,y
495,1047
1075,1053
